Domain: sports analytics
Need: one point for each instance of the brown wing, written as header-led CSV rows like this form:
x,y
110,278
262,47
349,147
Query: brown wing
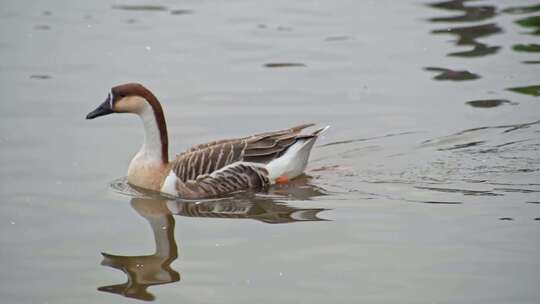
x,y
260,148
233,178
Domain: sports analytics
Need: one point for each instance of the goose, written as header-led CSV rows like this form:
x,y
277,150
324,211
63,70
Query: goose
x,y
208,170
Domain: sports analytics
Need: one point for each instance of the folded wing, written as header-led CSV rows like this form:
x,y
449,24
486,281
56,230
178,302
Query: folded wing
x,y
232,178
205,159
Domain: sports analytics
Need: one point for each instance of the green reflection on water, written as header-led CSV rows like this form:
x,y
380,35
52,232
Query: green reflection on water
x,y
533,90
454,75
530,22
530,48
522,9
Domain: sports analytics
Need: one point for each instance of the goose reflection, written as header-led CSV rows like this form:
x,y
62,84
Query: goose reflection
x,y
155,269
144,271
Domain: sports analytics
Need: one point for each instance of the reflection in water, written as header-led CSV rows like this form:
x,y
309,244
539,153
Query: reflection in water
x,y
147,270
530,22
153,8
533,90
522,9
488,103
40,76
468,37
530,48
140,7
283,64
470,13
182,12
447,74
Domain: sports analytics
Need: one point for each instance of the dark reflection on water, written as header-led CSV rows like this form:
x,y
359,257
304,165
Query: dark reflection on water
x,y
530,48
533,23
464,145
533,90
469,35
440,202
488,103
152,8
470,13
182,12
522,9
530,22
140,7
144,271
283,64
40,76
447,74
506,219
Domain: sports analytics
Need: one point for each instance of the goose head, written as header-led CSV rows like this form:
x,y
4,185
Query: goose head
x,y
136,99
127,98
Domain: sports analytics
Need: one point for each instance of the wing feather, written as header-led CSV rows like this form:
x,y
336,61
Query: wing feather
x,y
236,177
207,158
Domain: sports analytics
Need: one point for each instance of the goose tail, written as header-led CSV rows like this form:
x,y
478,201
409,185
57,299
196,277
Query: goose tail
x,y
294,161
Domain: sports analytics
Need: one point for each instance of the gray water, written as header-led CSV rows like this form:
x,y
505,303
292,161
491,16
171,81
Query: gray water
x,y
425,190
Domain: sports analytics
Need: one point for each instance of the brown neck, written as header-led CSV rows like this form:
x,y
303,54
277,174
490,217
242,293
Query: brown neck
x,y
162,126
135,89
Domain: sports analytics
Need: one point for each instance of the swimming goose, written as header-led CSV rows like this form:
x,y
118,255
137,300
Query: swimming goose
x,y
207,170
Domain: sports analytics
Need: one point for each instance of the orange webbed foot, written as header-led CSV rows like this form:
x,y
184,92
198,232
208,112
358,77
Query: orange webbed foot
x,y
282,180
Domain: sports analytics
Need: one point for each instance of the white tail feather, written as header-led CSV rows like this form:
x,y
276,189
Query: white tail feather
x,y
294,161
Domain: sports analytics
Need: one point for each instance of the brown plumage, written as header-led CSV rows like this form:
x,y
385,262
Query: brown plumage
x,y
236,177
221,167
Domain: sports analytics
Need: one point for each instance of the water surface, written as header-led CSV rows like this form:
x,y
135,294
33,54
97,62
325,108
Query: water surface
x,y
426,188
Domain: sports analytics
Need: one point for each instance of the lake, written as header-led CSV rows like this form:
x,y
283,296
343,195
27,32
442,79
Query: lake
x,y
426,188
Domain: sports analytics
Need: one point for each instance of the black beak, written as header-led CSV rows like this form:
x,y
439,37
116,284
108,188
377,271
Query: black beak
x,y
103,109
